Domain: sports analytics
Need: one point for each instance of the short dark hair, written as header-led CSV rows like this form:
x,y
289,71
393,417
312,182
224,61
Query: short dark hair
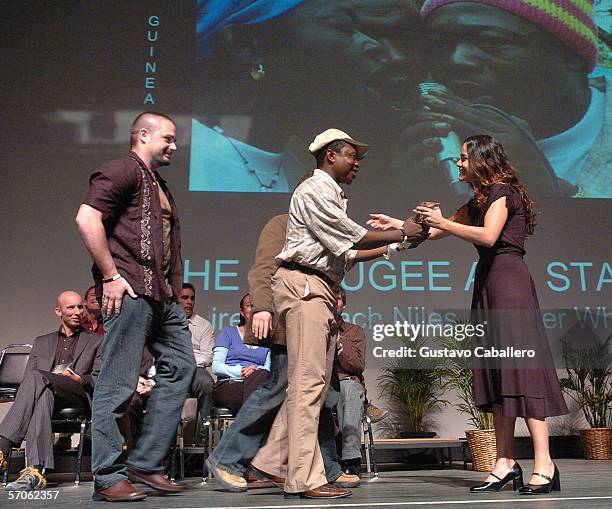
x,y
188,286
144,120
335,146
88,290
342,295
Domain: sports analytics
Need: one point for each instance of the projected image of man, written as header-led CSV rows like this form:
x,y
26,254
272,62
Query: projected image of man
x,y
518,73
275,71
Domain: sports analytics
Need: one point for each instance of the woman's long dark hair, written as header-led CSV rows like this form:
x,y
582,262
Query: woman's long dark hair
x,y
490,165
242,318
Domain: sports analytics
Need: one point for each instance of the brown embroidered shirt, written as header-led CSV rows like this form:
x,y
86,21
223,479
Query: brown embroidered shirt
x,y
127,194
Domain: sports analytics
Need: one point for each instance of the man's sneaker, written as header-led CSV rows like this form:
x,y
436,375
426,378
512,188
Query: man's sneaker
x,y
30,479
347,481
3,462
376,414
228,480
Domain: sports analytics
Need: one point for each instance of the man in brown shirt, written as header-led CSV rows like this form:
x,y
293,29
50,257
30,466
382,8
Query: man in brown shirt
x,y
129,224
92,320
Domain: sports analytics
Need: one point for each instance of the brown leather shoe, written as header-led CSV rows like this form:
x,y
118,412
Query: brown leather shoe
x,y
123,491
279,482
156,481
325,491
376,414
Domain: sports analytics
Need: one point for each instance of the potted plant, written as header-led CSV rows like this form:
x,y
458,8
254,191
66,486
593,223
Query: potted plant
x,y
589,384
414,387
458,376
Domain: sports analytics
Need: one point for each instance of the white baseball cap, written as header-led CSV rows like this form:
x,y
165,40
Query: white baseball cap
x,y
326,137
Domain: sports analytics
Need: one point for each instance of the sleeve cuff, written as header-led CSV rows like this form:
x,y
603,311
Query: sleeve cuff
x,y
349,260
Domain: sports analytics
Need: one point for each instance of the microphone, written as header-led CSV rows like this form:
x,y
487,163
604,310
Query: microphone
x,y
451,148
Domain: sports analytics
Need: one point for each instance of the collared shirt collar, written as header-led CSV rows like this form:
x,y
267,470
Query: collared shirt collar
x,y
74,335
155,173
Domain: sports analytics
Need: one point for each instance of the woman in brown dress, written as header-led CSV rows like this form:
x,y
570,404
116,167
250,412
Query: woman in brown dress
x,y
497,220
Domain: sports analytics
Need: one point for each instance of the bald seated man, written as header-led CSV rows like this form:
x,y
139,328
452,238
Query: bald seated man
x,y
61,372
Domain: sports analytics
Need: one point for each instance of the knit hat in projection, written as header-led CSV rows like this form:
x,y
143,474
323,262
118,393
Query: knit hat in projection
x,y
571,21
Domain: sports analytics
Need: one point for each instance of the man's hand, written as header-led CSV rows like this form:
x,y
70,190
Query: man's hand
x,y
384,222
144,386
72,375
93,233
414,231
339,345
262,324
248,370
112,295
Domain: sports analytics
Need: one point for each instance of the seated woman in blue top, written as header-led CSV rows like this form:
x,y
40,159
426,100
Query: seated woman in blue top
x,y
240,368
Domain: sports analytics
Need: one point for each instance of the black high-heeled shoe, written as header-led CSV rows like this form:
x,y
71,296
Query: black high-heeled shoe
x,y
553,484
515,474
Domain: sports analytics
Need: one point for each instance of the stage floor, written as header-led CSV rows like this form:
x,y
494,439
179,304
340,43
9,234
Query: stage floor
x,y
584,484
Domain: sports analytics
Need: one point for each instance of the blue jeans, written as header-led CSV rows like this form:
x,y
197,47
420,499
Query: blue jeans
x,y
327,437
245,436
162,326
350,414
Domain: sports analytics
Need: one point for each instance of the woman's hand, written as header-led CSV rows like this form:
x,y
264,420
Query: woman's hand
x,y
432,217
248,370
383,222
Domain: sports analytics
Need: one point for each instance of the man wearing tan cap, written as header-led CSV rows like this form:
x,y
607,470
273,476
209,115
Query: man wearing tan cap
x,y
319,245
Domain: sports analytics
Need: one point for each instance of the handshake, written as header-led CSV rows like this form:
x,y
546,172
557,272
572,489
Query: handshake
x,y
415,228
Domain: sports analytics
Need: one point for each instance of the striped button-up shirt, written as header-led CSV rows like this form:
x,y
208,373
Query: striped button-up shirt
x,y
319,233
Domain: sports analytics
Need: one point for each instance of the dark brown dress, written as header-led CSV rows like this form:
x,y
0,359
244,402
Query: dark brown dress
x,y
505,297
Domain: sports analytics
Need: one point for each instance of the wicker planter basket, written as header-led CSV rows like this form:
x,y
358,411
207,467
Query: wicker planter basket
x,y
597,443
482,448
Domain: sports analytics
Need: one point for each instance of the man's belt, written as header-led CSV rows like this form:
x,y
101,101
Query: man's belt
x,y
310,271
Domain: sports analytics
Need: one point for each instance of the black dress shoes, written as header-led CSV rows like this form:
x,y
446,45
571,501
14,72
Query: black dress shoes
x,y
515,475
553,484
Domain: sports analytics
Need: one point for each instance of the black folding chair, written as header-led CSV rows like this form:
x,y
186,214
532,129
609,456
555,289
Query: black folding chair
x,y
73,420
13,361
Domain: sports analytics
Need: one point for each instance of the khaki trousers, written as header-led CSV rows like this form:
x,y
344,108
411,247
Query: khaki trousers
x,y
305,305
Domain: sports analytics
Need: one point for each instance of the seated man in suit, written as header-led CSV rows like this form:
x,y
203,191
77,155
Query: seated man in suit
x,y
61,372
